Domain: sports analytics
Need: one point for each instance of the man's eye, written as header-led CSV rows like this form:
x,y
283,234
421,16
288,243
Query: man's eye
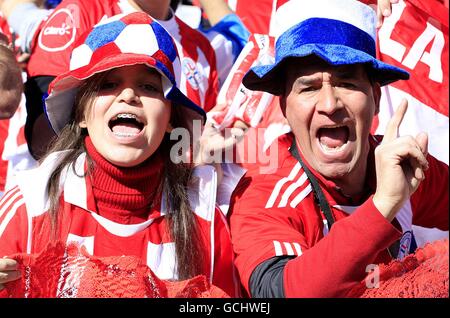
x,y
347,85
309,89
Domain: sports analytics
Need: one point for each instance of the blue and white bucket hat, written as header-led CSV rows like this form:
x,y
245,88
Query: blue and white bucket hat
x,y
340,32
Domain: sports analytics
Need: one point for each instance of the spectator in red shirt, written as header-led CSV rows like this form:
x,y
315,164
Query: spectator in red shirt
x,y
340,198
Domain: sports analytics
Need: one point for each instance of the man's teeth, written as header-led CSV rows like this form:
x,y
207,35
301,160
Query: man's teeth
x,y
334,126
332,149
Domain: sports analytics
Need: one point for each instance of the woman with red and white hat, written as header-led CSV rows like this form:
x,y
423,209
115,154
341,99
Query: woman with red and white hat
x,y
109,183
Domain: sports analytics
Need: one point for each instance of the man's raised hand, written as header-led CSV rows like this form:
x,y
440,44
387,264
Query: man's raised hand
x,y
400,164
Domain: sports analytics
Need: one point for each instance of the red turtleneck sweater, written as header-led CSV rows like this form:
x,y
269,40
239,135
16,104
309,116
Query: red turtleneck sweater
x,y
124,195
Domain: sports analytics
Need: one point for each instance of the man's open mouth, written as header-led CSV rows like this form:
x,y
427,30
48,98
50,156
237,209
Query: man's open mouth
x,y
333,138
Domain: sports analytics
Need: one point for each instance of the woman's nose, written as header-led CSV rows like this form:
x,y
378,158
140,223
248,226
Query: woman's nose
x,y
129,96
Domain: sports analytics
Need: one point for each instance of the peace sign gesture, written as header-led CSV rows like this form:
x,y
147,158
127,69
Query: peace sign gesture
x,y
400,164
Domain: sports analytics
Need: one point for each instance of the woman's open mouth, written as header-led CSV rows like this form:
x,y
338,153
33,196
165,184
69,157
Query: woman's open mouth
x,y
125,125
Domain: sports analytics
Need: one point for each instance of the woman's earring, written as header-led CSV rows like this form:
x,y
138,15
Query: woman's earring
x,y
82,124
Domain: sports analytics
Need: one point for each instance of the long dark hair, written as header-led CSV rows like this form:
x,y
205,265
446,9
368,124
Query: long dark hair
x,y
182,224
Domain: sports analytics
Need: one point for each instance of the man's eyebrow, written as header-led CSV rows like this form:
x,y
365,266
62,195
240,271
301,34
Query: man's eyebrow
x,y
346,73
307,80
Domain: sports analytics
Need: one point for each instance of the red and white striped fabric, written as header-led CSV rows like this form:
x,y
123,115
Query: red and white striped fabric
x,y
53,42
25,227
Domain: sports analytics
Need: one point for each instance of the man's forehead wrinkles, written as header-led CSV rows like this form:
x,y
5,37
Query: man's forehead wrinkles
x,y
309,79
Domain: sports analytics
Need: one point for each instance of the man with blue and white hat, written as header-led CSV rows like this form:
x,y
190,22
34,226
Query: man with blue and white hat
x,y
340,199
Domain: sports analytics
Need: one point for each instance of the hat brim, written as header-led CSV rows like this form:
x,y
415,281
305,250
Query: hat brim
x,y
64,88
268,78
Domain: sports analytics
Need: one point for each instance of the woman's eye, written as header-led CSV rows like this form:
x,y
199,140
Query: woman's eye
x,y
108,86
150,87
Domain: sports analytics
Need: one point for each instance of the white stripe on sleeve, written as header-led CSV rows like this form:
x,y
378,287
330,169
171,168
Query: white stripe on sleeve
x,y
278,249
13,194
10,214
298,248
289,249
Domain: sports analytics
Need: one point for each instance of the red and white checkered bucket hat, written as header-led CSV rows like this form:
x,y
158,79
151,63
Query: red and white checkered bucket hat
x,y
121,40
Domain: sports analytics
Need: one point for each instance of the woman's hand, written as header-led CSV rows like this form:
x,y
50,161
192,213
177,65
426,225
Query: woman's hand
x,y
8,271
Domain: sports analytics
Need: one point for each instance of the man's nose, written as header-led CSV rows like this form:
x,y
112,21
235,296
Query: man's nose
x,y
328,101
129,95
